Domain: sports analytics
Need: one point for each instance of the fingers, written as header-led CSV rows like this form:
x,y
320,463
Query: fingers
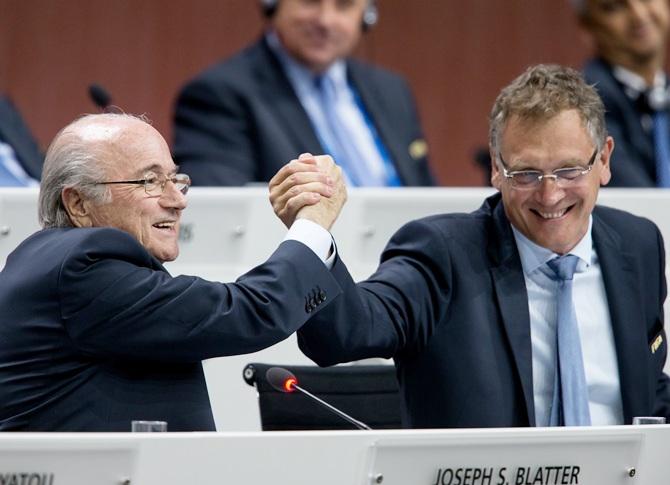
x,y
292,168
307,157
289,197
300,176
303,182
288,211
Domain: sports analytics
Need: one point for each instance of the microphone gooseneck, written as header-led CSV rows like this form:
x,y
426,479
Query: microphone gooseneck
x,y
284,381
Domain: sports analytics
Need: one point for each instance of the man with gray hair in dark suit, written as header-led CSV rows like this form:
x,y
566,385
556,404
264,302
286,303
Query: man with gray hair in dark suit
x,y
95,332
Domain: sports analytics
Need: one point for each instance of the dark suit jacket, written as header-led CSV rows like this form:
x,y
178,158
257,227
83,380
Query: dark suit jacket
x,y
449,303
633,161
15,133
240,121
95,333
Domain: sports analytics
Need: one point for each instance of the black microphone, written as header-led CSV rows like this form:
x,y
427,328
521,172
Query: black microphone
x,y
284,381
100,96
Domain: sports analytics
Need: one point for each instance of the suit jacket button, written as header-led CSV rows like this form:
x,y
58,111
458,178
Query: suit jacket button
x,y
322,295
308,308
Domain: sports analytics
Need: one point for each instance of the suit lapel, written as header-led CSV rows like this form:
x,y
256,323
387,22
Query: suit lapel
x,y
280,97
512,298
630,339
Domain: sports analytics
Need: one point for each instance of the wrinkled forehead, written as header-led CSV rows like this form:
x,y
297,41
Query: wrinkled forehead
x,y
524,122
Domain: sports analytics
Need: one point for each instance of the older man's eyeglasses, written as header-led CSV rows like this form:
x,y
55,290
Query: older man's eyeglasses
x,y
530,179
154,184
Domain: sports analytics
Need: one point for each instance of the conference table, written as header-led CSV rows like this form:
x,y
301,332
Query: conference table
x,y
616,455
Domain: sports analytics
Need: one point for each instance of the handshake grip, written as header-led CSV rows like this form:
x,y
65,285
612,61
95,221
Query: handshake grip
x,y
309,187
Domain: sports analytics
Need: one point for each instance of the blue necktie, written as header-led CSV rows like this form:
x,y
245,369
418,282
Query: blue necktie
x,y
345,153
570,404
662,148
7,178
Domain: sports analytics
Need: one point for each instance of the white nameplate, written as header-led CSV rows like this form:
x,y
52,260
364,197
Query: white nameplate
x,y
550,459
44,465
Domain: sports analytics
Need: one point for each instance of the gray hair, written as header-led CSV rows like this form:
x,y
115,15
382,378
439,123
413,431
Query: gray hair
x,y
544,91
74,162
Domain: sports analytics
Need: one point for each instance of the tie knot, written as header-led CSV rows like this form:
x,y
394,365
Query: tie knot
x,y
564,266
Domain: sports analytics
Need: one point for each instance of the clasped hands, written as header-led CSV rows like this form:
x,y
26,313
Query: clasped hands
x,y
309,187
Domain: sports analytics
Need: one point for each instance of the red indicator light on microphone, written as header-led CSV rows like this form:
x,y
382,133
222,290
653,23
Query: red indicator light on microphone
x,y
289,384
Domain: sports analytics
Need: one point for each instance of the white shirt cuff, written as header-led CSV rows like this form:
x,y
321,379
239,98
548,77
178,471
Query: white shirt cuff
x,y
315,238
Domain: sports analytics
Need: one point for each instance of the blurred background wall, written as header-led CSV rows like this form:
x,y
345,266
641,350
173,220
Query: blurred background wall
x,y
457,54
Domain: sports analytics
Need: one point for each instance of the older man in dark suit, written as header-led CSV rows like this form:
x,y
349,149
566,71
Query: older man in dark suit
x,y
538,309
95,332
297,90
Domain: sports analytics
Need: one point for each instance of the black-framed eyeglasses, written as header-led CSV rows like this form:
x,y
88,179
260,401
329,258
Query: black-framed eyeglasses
x,y
530,179
154,184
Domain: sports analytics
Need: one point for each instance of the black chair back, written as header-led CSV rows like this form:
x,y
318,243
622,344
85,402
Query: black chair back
x,y
368,393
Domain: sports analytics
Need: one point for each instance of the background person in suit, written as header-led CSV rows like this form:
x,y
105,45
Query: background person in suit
x,y
297,90
95,332
630,39
477,309
20,157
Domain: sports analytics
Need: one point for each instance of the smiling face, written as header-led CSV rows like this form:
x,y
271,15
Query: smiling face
x,y
628,32
553,217
319,32
153,220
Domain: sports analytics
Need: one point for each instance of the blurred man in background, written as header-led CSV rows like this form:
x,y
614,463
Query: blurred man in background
x,y
297,90
630,38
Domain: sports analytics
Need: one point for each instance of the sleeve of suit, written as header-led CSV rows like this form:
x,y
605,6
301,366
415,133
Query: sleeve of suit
x,y
393,311
115,305
213,138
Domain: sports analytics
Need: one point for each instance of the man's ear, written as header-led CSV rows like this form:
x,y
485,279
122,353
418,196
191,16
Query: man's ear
x,y
605,158
496,176
77,207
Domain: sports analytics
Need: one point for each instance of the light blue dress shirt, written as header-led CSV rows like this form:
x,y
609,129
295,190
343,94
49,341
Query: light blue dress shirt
x,y
358,130
595,329
12,165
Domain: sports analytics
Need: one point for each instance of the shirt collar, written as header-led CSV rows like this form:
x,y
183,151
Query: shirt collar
x,y
299,73
634,84
534,256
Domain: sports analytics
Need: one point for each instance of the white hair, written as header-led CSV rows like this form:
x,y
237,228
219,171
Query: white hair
x,y
75,160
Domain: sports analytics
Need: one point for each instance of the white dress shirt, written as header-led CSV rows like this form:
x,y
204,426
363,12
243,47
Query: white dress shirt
x,y
315,237
634,86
